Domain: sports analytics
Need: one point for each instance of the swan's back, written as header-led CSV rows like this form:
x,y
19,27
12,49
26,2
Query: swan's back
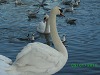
x,y
39,58
41,27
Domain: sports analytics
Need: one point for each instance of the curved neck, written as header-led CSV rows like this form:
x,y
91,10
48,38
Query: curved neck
x,y
47,28
54,35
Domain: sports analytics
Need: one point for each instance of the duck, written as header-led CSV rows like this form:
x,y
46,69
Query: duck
x,y
75,4
31,15
38,58
71,21
69,9
44,27
28,38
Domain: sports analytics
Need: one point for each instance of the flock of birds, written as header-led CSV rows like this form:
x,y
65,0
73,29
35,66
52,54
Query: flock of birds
x,y
37,58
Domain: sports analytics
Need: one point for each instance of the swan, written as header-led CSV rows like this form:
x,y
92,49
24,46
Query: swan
x,y
38,58
43,26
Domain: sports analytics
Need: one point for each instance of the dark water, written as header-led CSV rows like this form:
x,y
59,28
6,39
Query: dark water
x,y
83,39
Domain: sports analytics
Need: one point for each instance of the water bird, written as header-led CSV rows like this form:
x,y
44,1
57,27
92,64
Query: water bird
x,y
3,1
77,1
75,4
69,9
63,38
71,21
38,58
68,2
43,27
41,4
32,15
28,38
32,38
18,2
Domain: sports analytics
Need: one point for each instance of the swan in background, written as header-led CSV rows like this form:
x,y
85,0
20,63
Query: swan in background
x,y
38,58
43,26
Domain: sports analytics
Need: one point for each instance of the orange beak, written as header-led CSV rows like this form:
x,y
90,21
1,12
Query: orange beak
x,y
62,14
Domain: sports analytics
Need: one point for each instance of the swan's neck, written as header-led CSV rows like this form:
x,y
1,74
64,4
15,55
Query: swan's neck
x,y
55,37
47,28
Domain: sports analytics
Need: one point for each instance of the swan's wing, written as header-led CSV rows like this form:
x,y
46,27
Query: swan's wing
x,y
5,59
3,72
38,57
3,65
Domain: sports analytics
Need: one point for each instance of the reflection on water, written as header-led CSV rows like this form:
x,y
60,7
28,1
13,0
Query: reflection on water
x,y
83,39
47,37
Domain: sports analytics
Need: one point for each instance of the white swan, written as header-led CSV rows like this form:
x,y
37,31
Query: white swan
x,y
43,26
5,59
4,63
38,58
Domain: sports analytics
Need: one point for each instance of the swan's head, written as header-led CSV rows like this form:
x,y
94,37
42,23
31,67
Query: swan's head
x,y
57,11
46,17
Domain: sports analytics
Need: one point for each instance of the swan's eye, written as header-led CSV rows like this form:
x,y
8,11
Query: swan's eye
x,y
61,10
